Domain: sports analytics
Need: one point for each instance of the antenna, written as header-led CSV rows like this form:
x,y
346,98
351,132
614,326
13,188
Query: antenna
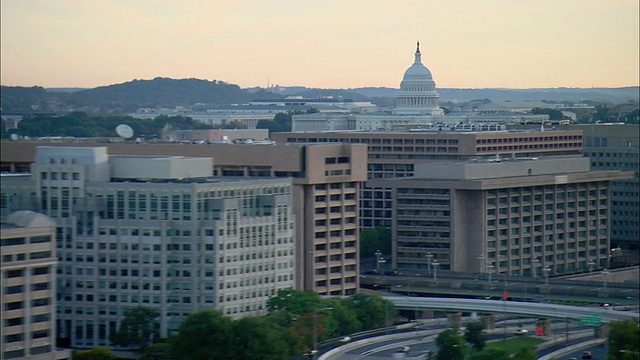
x,y
124,131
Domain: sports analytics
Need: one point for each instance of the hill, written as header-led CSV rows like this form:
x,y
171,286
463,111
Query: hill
x,y
203,94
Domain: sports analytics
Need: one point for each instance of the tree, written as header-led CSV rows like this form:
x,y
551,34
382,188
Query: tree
x,y
295,302
258,338
373,239
526,353
450,345
623,335
204,335
137,328
94,354
474,334
373,311
492,354
554,114
157,351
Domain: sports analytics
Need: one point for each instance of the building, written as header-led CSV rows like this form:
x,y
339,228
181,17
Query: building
x,y
27,295
326,180
615,147
394,154
510,216
156,231
417,106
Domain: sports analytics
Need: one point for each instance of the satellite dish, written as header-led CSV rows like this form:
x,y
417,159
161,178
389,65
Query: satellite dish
x,y
14,136
124,131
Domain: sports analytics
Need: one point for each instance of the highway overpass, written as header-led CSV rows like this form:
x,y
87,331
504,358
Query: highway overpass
x,y
510,307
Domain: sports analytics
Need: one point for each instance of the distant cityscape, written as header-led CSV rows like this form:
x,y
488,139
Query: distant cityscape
x,y
224,201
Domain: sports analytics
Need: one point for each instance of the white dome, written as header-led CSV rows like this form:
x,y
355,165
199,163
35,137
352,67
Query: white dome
x,y
417,71
417,95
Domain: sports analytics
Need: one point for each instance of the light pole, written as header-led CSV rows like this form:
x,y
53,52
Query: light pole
x,y
546,270
435,270
536,261
605,277
315,330
378,254
490,271
429,257
482,262
592,264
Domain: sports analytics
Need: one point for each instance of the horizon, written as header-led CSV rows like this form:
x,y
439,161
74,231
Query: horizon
x,y
336,45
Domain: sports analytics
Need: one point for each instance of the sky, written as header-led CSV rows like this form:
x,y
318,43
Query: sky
x,y
321,44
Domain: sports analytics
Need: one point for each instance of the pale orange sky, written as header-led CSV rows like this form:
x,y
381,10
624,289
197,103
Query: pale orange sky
x,y
325,44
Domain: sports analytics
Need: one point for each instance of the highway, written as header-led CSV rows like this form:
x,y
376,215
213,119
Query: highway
x,y
543,310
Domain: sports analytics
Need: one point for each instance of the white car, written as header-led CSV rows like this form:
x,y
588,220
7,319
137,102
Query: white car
x,y
522,332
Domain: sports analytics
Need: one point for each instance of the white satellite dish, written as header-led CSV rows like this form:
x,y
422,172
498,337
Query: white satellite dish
x,y
124,131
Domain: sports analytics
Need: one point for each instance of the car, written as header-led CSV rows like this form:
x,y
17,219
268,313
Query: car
x,y
587,355
345,339
522,332
404,349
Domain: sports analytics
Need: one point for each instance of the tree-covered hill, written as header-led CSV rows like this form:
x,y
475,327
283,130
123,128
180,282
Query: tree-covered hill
x,y
127,97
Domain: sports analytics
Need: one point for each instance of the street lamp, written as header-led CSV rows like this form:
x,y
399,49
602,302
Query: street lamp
x,y
605,274
536,261
378,254
490,271
435,270
592,264
315,330
482,262
429,257
546,270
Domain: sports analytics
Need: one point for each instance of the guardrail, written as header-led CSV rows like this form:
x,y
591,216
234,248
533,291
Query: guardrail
x,y
511,307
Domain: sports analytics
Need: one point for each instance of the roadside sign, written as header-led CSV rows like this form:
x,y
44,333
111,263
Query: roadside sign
x,y
505,295
538,331
593,320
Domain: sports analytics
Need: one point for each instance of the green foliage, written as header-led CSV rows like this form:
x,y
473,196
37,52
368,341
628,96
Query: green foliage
x,y
94,354
373,239
526,353
372,311
158,351
554,114
257,338
137,327
204,335
79,124
295,302
624,335
451,345
474,334
492,354
632,117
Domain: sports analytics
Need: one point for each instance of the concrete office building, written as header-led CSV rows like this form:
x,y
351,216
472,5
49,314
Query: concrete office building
x,y
156,231
515,216
395,154
615,147
326,184
28,291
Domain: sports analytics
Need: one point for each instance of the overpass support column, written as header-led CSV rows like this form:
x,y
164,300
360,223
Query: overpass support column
x,y
545,325
601,331
489,322
454,320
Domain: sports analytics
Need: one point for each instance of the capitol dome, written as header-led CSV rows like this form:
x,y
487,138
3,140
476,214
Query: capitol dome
x,y
418,94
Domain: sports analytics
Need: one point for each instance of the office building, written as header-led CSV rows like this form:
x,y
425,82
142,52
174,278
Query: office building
x,y
326,185
395,154
28,293
156,231
509,216
615,147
